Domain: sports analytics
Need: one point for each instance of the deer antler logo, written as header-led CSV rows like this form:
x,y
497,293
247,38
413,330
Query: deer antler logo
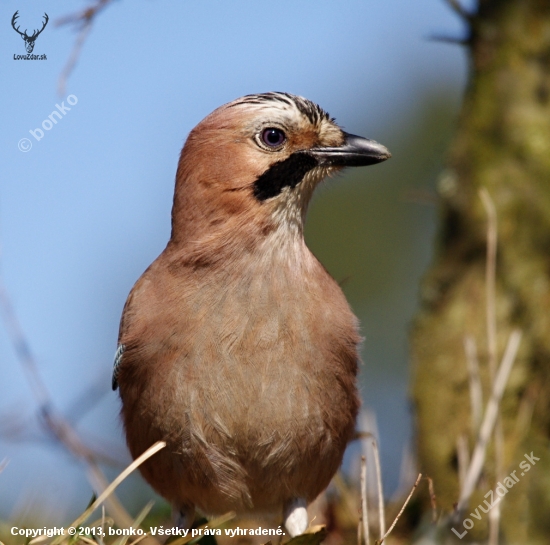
x,y
29,40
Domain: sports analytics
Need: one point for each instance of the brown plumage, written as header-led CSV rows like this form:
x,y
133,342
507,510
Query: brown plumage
x,y
236,346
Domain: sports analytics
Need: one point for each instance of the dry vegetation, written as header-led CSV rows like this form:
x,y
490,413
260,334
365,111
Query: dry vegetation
x,y
349,514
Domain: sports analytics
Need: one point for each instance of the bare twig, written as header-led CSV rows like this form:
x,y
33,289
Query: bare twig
x,y
83,20
73,59
22,350
400,511
364,500
53,422
448,39
459,9
19,427
433,498
489,419
60,429
87,399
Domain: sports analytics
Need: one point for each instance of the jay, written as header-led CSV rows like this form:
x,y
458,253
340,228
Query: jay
x,y
236,346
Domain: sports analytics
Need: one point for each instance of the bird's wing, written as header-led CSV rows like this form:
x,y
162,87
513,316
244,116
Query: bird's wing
x,y
116,365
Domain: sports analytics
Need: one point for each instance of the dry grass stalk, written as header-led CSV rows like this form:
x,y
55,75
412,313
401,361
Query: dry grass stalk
x,y
490,282
381,513
109,490
378,472
379,542
476,391
364,502
489,419
136,524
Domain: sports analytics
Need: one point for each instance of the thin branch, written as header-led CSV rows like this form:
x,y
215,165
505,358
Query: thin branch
x,y
400,511
83,20
22,350
459,9
489,419
449,39
364,501
87,399
73,59
433,498
55,424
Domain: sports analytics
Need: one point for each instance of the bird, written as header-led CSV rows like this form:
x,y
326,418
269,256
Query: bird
x,y
236,347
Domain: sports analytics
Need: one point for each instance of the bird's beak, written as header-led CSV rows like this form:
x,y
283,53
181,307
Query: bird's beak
x,y
356,151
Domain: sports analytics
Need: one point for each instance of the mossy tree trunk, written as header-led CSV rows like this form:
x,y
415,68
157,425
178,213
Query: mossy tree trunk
x,y
502,144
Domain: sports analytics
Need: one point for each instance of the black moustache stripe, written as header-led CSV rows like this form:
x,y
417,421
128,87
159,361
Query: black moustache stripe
x,y
287,173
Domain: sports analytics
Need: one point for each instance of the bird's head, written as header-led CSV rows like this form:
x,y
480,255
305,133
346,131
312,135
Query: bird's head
x,y
253,164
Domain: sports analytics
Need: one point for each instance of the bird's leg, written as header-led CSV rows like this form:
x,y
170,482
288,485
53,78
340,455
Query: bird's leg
x,y
295,515
183,516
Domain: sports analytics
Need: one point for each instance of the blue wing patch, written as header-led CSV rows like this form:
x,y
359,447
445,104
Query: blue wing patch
x,y
116,365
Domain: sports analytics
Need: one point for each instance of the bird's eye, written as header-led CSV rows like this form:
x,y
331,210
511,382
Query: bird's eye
x,y
273,137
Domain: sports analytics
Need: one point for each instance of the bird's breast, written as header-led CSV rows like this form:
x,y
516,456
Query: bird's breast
x,y
260,365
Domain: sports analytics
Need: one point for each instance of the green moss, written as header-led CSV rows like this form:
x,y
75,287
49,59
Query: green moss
x,y
503,145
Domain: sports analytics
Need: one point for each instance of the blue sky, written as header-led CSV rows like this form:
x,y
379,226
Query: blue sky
x,y
86,210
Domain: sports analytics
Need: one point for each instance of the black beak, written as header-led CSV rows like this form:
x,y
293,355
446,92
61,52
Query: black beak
x,y
356,151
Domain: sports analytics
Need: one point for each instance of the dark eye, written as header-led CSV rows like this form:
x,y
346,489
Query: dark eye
x,y
273,137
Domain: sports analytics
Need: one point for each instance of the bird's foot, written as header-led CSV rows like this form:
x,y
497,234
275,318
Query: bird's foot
x,y
295,514
183,516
